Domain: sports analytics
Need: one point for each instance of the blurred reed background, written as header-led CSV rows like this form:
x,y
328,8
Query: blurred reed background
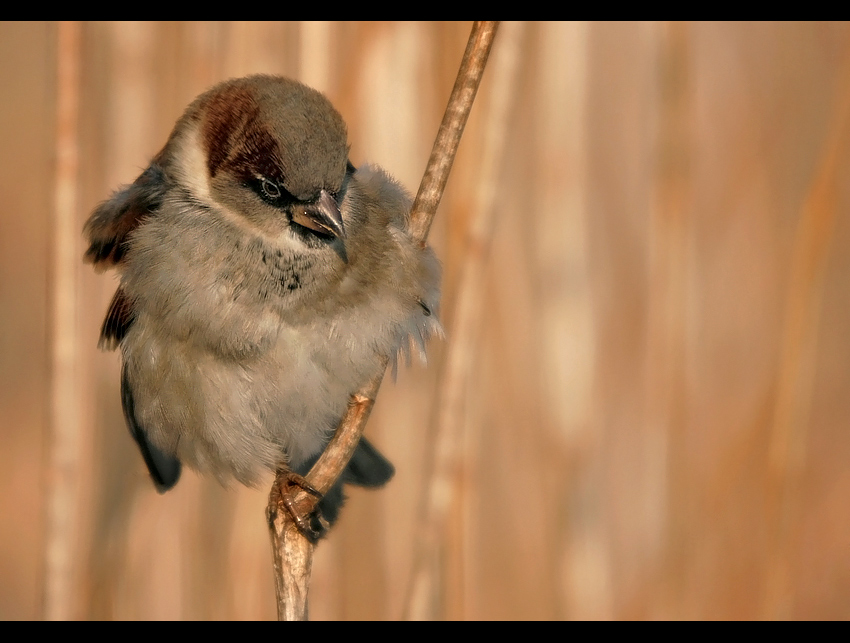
x,y
656,420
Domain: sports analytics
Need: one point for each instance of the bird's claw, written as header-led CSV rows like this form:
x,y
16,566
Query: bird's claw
x,y
302,507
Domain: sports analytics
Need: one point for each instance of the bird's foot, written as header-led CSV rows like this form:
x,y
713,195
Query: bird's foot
x,y
301,501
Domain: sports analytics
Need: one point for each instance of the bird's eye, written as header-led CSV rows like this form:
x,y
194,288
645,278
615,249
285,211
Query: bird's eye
x,y
270,189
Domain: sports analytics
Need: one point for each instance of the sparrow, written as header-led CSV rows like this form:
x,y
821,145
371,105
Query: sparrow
x,y
263,280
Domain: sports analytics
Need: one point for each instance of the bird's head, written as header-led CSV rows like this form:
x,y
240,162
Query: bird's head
x,y
269,150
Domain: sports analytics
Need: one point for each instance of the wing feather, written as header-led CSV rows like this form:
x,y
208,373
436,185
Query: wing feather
x,y
110,225
163,467
118,320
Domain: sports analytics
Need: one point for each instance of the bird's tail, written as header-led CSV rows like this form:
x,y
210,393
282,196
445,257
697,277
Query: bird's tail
x,y
367,468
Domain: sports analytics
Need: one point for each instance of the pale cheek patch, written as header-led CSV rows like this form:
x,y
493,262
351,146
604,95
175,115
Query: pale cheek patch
x,y
192,165
194,177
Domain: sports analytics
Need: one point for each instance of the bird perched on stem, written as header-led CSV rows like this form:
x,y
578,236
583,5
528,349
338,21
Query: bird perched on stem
x,y
264,279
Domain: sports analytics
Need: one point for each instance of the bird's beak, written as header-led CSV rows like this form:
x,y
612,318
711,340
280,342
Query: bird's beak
x,y
322,215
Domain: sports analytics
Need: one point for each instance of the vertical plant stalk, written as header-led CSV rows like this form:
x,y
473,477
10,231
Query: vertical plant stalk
x,y
444,451
666,336
798,353
448,136
293,554
63,470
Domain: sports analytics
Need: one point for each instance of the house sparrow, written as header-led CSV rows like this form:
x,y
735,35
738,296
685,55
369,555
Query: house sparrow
x,y
264,280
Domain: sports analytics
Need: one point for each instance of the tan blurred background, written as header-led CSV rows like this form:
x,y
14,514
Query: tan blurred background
x,y
656,421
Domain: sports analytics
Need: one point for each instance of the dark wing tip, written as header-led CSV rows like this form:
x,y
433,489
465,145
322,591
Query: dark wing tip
x,y
163,467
